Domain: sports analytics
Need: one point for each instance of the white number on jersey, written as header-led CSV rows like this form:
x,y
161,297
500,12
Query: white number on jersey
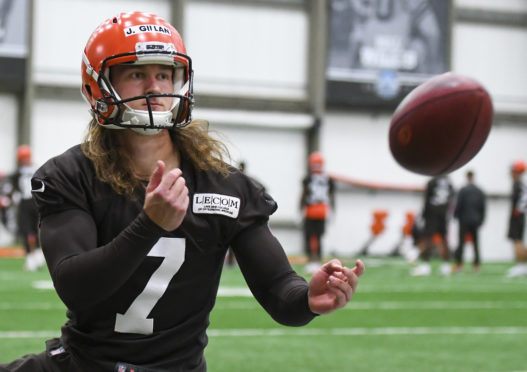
x,y
135,320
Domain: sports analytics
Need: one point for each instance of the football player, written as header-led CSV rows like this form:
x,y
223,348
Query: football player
x,y
470,211
318,197
18,193
439,196
517,219
136,221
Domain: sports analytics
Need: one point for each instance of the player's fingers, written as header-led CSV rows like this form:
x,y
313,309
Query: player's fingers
x,y
179,193
169,179
157,175
341,289
353,278
180,186
359,268
332,266
345,280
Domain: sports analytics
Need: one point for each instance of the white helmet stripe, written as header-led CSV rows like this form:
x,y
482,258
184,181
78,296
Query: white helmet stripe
x,y
89,70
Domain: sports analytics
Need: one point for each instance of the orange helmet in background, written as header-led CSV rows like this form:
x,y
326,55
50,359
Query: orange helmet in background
x,y
23,153
518,167
316,162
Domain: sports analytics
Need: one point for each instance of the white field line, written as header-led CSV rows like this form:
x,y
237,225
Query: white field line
x,y
7,306
354,305
272,332
501,287
399,305
384,331
28,334
225,291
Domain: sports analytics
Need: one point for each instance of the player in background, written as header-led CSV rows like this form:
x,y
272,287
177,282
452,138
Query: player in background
x,y
470,212
18,191
4,200
517,219
439,194
136,221
318,197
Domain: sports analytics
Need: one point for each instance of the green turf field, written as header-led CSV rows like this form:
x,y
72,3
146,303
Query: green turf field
x,y
466,322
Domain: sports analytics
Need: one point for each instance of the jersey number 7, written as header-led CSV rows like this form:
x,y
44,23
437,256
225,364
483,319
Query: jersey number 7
x,y
135,320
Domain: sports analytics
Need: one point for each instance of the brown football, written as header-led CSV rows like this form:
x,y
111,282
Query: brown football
x,y
441,124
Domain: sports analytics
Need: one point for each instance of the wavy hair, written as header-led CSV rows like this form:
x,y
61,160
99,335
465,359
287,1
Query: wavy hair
x,y
112,165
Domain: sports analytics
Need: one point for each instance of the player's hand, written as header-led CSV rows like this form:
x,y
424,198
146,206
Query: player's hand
x,y
333,286
166,199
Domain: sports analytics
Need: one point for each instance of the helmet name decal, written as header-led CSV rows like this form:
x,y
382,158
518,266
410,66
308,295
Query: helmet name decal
x,y
216,204
146,28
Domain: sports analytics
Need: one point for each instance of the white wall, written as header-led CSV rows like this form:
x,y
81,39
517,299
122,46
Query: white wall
x,y
248,49
59,38
491,54
58,124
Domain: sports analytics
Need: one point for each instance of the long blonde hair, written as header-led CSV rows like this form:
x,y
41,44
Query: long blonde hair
x,y
112,165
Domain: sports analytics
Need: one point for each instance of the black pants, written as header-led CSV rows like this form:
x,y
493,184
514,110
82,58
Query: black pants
x,y
313,231
473,231
56,359
51,360
516,227
27,222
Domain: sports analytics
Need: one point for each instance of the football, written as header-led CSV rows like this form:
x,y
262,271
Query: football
x,y
441,124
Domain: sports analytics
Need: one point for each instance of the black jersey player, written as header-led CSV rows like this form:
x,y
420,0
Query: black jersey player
x,y
318,198
136,221
516,229
438,201
17,192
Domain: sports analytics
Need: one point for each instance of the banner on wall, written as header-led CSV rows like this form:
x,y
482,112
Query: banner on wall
x,y
379,50
14,21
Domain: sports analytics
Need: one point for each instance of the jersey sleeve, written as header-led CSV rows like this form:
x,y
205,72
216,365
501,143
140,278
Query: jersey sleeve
x,y
273,282
68,240
256,204
264,264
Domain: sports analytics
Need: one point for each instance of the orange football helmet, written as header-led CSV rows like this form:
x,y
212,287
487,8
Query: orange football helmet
x,y
519,166
23,153
136,38
316,162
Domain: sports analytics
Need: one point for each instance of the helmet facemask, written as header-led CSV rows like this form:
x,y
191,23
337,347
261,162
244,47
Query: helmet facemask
x,y
115,111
